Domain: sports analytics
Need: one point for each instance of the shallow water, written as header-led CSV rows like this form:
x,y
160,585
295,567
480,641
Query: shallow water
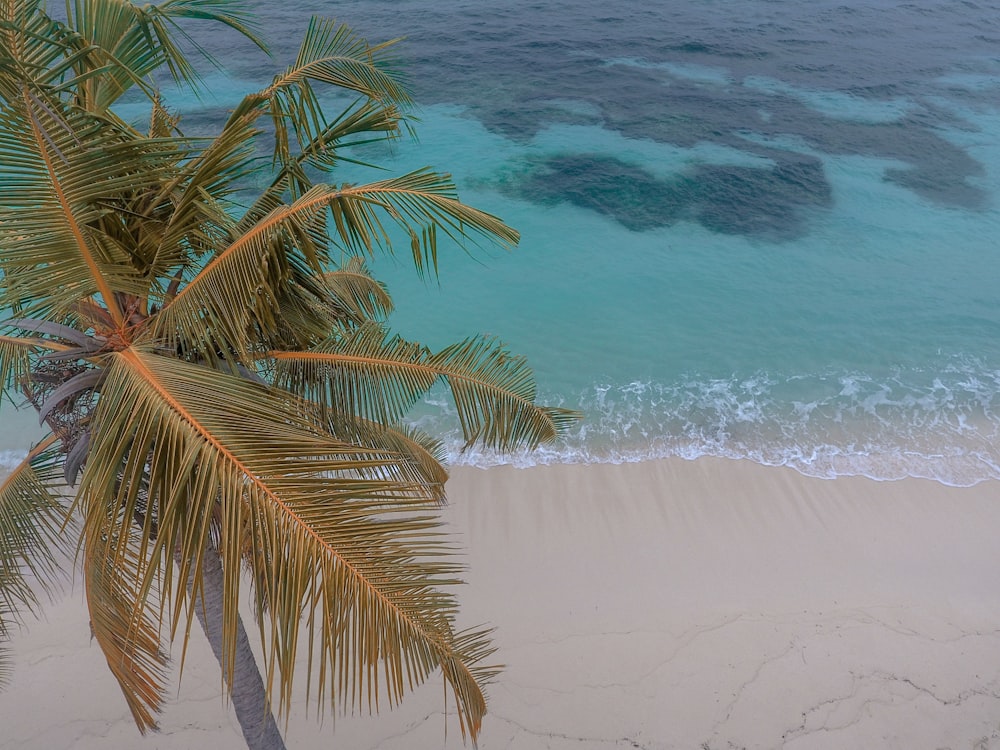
x,y
752,229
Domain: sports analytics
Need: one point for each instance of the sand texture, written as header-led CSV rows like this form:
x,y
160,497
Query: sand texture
x,y
699,605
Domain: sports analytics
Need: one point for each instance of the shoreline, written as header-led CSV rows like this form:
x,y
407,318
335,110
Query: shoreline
x,y
712,603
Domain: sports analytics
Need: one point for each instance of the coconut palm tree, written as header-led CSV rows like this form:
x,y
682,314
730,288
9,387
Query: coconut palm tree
x,y
224,401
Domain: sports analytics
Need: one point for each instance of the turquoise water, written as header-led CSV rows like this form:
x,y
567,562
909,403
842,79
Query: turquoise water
x,y
764,230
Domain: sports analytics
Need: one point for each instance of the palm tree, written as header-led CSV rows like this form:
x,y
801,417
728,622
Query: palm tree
x,y
224,399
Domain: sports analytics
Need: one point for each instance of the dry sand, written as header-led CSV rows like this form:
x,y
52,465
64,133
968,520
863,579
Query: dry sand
x,y
670,604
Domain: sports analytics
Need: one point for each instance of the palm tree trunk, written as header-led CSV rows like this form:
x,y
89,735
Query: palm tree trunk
x,y
247,690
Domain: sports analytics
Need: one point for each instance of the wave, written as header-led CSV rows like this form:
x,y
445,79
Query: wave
x,y
941,425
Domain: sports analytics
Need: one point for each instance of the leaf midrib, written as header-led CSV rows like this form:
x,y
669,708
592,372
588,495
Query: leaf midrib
x,y
81,241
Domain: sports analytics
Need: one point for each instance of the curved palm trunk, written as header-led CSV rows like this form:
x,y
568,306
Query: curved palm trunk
x,y
247,690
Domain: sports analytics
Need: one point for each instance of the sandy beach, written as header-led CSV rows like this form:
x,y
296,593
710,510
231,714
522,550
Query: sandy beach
x,y
703,605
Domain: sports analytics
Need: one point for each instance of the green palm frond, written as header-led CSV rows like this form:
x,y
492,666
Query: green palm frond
x,y
235,14
369,120
334,55
132,41
494,392
189,211
35,48
334,542
369,374
365,373
367,117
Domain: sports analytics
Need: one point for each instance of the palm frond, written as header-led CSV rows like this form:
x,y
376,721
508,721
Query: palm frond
x,y
34,47
236,296
128,633
132,41
369,120
332,55
494,392
31,520
333,541
322,152
60,171
185,216
420,457
15,360
366,373
420,203
235,14
356,289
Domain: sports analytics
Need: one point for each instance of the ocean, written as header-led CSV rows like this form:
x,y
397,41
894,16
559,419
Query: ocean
x,y
759,229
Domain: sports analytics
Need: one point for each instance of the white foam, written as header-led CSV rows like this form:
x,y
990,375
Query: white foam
x,y
943,426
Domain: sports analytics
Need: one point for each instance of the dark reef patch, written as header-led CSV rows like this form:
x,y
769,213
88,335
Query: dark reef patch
x,y
506,62
764,202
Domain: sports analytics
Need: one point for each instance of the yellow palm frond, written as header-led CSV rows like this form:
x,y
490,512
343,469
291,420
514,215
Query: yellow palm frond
x,y
356,289
421,457
366,373
236,296
336,538
128,634
420,203
64,170
31,520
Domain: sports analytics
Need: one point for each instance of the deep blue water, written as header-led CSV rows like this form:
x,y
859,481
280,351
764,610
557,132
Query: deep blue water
x,y
759,229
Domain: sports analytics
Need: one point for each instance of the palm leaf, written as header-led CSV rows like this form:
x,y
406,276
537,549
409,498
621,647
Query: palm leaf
x,y
372,120
420,203
34,47
330,54
420,457
133,41
186,216
367,373
332,540
31,517
60,171
236,296
367,116
494,392
363,373
358,291
15,360
128,635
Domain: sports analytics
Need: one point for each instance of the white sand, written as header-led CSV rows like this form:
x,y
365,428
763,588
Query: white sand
x,y
673,604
